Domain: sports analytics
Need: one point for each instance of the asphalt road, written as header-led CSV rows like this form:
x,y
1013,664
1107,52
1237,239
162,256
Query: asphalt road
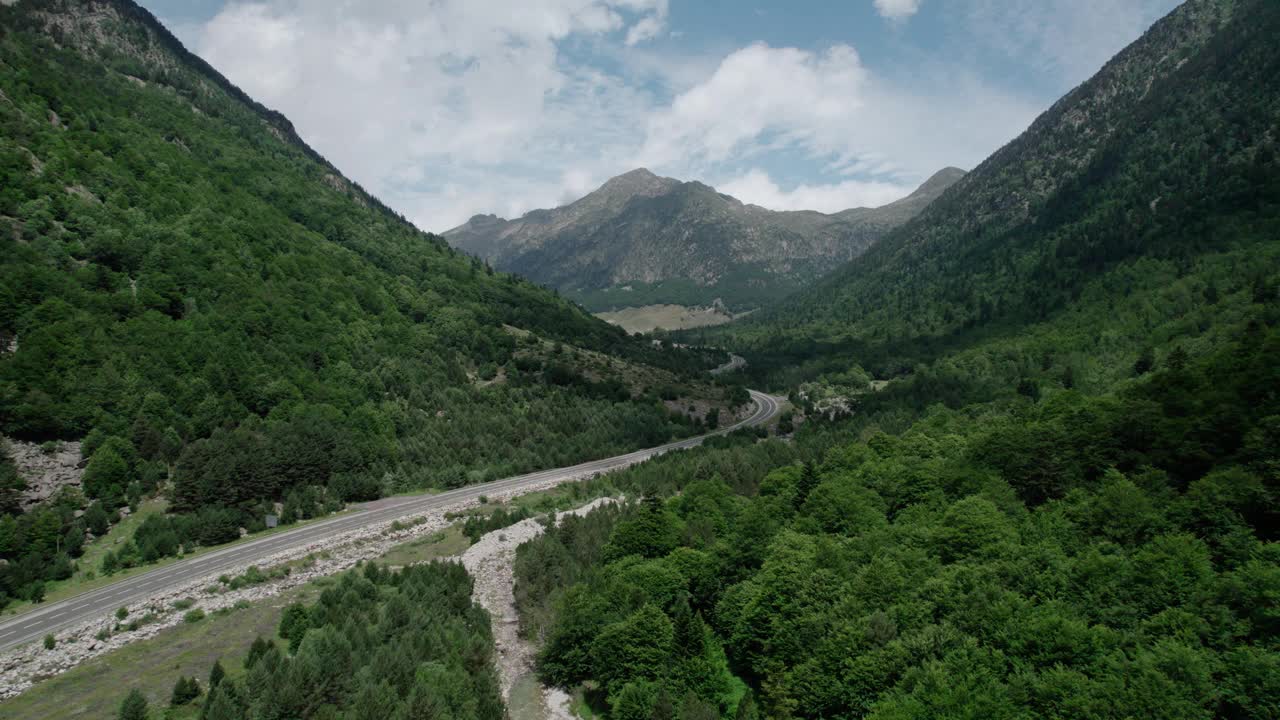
x,y
102,601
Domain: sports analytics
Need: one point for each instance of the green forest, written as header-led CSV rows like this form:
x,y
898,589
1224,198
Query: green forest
x,y
1061,499
1104,556
377,645
224,319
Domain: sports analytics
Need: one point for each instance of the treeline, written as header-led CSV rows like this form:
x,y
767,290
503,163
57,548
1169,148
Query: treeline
x,y
41,546
1068,556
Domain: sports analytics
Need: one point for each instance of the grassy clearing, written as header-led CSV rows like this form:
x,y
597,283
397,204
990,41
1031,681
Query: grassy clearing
x,y
665,317
563,497
95,689
446,543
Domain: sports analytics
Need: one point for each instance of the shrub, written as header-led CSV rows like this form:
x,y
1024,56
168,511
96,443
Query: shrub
x,y
184,691
49,642
193,616
134,706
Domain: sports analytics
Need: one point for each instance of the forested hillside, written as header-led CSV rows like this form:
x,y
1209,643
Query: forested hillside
x,y
1100,557
223,317
1159,171
1062,503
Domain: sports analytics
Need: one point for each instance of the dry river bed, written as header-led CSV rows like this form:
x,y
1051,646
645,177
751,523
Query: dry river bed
x,y
491,563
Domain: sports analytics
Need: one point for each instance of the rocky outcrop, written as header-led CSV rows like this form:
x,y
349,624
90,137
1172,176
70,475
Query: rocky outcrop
x,y
45,469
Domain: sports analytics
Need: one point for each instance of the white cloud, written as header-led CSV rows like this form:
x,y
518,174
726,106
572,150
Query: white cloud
x,y
758,188
647,29
897,9
829,109
452,107
439,109
794,96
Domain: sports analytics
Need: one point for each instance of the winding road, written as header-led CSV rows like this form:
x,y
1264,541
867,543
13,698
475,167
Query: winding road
x,y
92,604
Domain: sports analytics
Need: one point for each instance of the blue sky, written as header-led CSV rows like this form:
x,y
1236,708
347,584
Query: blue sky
x,y
454,107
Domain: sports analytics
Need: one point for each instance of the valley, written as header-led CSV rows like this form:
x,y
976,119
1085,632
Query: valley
x,y
1006,447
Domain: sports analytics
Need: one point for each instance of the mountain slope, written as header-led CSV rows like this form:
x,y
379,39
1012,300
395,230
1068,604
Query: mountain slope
x,y
1162,164
680,242
198,294
1060,500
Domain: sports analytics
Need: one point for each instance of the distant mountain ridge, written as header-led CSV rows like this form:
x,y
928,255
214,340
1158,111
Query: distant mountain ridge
x,y
642,238
1162,162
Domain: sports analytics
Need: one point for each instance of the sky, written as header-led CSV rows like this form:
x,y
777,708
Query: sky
x,y
449,108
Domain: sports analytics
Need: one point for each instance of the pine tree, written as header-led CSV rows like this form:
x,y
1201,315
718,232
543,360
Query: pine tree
x,y
663,707
134,706
294,623
224,703
747,709
1146,362
256,651
808,481
688,638
216,674
184,691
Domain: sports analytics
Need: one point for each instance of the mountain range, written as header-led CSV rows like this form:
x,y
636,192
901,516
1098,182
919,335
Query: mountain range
x,y
642,239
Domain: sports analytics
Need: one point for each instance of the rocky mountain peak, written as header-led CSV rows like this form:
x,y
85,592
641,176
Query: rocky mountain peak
x,y
939,181
638,182
641,231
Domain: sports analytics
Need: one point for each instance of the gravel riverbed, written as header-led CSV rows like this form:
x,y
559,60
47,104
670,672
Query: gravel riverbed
x,y
491,563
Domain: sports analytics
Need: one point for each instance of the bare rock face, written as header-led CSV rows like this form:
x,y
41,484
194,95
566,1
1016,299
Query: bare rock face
x,y
45,473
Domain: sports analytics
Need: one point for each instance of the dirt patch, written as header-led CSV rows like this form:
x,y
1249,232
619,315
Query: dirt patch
x,y
37,167
83,193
